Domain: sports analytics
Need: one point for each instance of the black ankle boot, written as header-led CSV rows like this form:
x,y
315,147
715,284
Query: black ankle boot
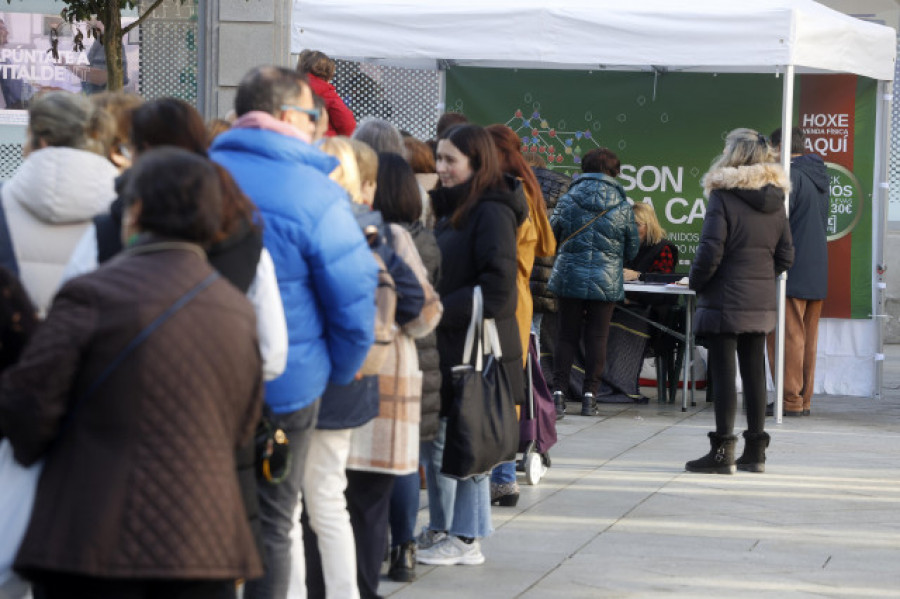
x,y
403,563
589,405
754,457
719,460
559,400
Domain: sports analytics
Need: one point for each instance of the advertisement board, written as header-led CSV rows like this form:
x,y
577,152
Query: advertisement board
x,y
41,52
668,127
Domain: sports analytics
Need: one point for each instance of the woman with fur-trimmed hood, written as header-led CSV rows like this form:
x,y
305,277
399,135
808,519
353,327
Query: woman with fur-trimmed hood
x,y
744,246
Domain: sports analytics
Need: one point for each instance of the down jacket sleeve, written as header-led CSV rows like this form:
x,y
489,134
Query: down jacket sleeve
x,y
784,251
632,237
344,276
712,244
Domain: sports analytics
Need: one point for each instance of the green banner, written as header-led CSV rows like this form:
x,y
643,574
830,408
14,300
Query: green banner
x,y
666,128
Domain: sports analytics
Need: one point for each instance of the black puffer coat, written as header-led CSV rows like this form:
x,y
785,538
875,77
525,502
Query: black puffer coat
x,y
745,244
429,360
481,252
553,186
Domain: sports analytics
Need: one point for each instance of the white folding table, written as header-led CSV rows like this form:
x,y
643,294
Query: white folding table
x,y
690,297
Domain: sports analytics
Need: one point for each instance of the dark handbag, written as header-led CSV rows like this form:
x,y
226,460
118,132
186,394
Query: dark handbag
x,y
273,454
482,427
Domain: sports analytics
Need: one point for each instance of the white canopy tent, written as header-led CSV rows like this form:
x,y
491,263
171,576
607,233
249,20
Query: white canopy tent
x,y
698,35
767,36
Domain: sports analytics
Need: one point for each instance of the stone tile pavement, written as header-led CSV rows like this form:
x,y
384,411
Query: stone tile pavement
x,y
617,516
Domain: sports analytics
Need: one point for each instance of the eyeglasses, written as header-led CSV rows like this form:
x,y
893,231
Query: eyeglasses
x,y
312,113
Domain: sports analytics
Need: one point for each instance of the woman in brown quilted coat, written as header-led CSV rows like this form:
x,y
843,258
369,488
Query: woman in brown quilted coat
x,y
139,496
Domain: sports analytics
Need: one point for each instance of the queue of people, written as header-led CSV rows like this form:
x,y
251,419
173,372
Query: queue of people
x,y
211,286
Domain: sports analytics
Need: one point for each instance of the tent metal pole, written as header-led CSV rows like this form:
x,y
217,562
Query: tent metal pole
x,y
879,214
441,107
787,119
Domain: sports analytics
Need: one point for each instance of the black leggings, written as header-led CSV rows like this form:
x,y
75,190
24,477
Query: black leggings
x,y
577,317
750,349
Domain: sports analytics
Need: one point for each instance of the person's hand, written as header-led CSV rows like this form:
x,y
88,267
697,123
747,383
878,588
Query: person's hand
x,y
631,275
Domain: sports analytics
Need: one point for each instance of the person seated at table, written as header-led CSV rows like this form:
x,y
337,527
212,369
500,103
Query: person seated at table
x,y
630,338
656,254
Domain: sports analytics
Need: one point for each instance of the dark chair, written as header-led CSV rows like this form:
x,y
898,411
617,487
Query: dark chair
x,y
668,353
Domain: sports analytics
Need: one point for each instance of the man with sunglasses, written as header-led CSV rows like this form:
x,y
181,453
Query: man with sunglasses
x,y
326,275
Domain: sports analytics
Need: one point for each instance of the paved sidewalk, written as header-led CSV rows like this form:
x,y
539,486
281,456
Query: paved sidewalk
x,y
617,516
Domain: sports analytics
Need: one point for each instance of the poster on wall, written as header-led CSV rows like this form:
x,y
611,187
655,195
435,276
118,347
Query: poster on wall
x,y
837,116
42,52
667,128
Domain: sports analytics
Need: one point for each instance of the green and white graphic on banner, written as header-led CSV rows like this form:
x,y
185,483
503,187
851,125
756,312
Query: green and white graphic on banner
x,y
846,201
665,130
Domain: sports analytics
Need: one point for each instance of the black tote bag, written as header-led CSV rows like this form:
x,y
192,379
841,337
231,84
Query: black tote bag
x,y
482,427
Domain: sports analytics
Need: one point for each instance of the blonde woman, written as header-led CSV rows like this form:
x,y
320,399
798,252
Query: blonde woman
x,y
656,254
744,245
367,431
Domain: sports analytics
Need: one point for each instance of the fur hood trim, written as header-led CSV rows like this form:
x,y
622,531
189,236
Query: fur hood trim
x,y
755,176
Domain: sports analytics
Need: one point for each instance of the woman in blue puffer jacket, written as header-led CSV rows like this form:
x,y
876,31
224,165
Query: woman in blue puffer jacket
x,y
595,231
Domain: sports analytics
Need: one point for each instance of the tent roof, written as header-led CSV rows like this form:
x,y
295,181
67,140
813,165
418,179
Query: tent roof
x,y
694,35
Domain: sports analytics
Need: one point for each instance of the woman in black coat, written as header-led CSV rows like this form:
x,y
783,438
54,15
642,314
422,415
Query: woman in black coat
x,y
744,246
477,218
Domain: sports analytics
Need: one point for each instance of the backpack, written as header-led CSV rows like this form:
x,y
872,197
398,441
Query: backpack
x,y
385,327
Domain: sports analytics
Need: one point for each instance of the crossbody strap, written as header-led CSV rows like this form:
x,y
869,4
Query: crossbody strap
x,y
585,226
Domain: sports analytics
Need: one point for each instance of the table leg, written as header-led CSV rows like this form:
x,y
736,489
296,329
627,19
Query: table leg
x,y
686,377
689,340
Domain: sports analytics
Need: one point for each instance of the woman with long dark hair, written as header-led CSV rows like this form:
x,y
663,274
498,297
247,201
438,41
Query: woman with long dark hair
x,y
477,219
745,244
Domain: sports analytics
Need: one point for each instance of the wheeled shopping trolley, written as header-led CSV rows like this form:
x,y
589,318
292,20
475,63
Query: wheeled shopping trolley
x,y
537,424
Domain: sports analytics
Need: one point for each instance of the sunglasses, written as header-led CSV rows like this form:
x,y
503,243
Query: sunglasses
x,y
312,113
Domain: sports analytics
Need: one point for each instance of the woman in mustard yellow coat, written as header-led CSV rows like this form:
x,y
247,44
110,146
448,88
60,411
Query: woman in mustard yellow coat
x,y
534,238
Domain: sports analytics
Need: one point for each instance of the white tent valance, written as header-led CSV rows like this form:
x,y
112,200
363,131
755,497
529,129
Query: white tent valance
x,y
696,35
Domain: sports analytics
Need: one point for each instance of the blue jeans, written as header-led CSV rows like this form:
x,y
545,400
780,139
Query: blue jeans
x,y
504,473
441,489
404,508
536,329
472,509
279,507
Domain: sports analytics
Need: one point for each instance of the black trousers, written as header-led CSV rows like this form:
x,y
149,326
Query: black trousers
x,y
750,349
72,586
577,317
368,502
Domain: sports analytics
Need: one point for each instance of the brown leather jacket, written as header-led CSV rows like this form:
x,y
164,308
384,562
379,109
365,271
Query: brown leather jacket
x,y
139,478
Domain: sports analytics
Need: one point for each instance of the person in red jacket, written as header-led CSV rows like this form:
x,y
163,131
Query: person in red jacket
x,y
319,70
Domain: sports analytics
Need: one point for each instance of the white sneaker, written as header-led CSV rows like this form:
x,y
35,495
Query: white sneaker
x,y
451,552
429,538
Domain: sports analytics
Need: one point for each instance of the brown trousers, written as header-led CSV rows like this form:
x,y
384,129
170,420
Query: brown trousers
x,y
801,336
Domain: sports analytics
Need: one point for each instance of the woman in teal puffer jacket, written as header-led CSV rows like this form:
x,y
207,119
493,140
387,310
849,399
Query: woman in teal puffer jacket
x,y
595,231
